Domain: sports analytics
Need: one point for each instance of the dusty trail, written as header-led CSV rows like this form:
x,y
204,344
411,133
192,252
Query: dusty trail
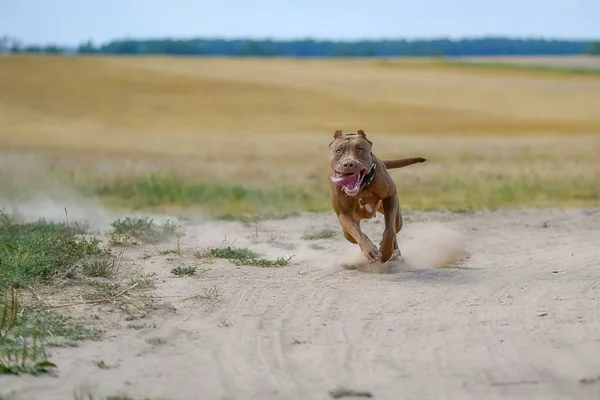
x,y
519,319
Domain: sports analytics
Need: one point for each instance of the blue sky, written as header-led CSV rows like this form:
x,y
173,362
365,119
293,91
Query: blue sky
x,y
70,22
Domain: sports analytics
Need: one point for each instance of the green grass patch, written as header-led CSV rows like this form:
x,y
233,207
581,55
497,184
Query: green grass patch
x,y
183,271
446,191
31,255
465,195
263,263
100,267
232,253
225,200
41,250
322,234
130,230
243,257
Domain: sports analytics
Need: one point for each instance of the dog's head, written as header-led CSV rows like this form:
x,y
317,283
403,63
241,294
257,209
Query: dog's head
x,y
351,159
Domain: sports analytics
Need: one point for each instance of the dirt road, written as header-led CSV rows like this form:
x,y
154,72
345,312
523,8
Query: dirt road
x,y
519,319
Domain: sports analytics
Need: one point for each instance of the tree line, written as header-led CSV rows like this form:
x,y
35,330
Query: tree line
x,y
318,48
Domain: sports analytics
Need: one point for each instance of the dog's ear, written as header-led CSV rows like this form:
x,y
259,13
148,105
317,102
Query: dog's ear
x,y
362,134
336,135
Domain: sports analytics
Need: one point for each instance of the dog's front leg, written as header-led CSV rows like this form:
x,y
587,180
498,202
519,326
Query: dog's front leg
x,y
351,227
388,242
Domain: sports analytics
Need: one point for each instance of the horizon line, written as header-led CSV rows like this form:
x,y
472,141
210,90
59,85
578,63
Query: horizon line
x,y
307,38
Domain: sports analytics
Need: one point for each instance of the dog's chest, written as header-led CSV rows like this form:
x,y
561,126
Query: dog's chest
x,y
367,206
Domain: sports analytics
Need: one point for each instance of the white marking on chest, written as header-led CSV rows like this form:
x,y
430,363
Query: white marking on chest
x,y
368,206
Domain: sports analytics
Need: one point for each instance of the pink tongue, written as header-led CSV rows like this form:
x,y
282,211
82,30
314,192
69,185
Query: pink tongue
x,y
347,181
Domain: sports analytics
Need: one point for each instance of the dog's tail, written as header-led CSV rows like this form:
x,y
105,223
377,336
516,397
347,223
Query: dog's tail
x,y
403,162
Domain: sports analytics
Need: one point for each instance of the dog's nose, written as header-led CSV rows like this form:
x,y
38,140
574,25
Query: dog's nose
x,y
349,164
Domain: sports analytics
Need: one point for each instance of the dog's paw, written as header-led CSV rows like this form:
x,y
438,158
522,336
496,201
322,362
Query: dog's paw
x,y
371,253
389,256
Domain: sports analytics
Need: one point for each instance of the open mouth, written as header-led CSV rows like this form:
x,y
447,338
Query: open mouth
x,y
350,183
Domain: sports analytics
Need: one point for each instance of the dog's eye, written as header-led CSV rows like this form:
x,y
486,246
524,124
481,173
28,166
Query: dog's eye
x,y
338,151
360,150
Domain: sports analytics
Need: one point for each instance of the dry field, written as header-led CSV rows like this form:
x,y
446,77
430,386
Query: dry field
x,y
78,101
242,307
572,63
251,135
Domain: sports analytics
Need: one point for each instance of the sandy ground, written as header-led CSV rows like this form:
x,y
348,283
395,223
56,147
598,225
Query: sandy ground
x,y
519,319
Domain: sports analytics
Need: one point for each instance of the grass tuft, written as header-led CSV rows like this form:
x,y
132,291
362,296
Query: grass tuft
x,y
322,234
211,294
264,263
176,250
232,253
343,392
103,266
19,353
183,271
243,257
130,230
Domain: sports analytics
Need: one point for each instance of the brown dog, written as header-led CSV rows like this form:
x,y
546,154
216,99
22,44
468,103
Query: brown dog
x,y
360,186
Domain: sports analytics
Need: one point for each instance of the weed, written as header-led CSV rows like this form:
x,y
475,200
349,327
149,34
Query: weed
x,y
261,262
322,234
232,253
102,266
137,327
343,392
101,364
131,299
143,281
244,256
182,271
130,230
225,324
275,239
176,250
17,355
316,247
58,327
204,256
210,294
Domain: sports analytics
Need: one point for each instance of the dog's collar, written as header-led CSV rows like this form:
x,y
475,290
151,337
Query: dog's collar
x,y
368,177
